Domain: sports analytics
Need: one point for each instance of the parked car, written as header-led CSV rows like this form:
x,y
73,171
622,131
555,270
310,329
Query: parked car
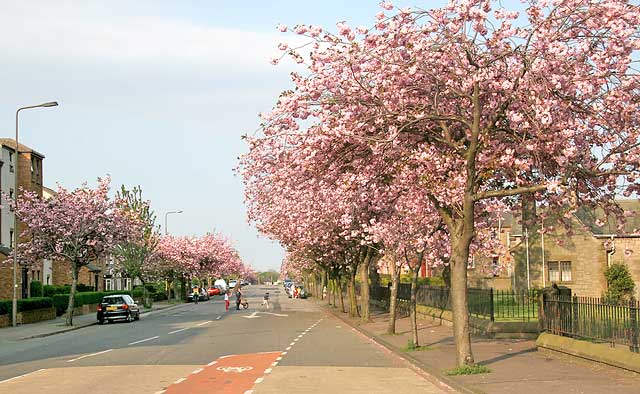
x,y
204,296
213,291
233,283
117,307
287,283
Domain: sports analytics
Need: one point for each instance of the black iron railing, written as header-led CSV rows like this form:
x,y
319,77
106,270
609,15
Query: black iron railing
x,y
592,319
495,305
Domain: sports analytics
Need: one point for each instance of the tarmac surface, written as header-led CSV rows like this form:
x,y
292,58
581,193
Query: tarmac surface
x,y
293,347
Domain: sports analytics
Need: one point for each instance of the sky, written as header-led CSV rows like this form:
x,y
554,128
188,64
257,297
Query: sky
x,y
156,93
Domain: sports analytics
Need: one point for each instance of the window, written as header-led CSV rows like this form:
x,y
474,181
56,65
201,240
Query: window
x,y
108,284
559,271
11,193
495,267
11,238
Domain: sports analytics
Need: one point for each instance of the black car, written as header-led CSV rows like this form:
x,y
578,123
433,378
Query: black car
x,y
118,307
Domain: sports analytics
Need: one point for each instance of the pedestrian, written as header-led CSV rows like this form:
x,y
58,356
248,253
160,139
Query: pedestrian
x,y
238,299
196,295
226,300
296,292
324,292
265,300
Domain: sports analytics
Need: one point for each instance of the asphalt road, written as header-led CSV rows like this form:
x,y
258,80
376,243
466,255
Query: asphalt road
x,y
294,347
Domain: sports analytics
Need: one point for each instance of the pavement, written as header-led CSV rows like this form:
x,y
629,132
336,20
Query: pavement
x,y
58,325
293,347
516,365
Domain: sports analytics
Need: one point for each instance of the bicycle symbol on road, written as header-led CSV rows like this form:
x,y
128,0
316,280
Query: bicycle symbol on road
x,y
234,369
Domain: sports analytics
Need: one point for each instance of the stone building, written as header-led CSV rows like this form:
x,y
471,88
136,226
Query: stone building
x,y
575,257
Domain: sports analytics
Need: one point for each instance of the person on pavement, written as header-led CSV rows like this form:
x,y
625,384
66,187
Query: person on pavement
x,y
238,298
265,300
226,300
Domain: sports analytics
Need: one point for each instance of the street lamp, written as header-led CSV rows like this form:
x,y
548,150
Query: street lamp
x,y
166,230
14,304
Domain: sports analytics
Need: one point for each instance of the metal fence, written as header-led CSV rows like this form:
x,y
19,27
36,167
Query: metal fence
x,y
495,305
592,319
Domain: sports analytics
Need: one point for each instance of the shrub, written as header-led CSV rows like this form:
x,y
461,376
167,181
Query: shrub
x,y
31,304
50,291
620,285
5,307
35,288
137,292
82,288
61,301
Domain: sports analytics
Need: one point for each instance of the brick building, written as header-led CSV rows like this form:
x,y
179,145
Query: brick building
x,y
29,178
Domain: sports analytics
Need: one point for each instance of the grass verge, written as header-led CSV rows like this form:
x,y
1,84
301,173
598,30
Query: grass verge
x,y
468,370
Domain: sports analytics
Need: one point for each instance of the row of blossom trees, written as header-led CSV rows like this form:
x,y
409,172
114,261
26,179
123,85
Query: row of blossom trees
x,y
85,225
405,138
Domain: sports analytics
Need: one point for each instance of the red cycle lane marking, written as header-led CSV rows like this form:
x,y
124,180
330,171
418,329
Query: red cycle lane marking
x,y
229,375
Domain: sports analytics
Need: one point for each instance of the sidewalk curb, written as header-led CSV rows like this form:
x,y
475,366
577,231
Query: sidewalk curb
x,y
64,330
437,374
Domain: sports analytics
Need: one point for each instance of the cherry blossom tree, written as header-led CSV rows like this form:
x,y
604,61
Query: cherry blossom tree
x,y
135,257
497,104
78,226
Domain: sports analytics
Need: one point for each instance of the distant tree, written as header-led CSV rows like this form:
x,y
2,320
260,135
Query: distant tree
x,y
134,257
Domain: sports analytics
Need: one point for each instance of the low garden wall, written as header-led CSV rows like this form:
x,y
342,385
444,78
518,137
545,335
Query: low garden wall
x,y
618,356
27,317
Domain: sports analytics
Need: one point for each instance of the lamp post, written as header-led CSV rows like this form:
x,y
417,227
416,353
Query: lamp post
x,y
166,230
14,304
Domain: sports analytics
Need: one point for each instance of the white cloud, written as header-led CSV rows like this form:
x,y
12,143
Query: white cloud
x,y
81,32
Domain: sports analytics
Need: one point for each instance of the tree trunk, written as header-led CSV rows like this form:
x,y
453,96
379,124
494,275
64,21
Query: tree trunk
x,y
340,285
364,286
74,283
412,306
393,298
323,283
353,298
459,304
336,289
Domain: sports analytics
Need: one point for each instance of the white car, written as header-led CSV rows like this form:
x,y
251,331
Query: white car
x,y
232,284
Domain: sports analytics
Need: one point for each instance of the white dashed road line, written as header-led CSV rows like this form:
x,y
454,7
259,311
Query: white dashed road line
x,y
89,355
182,329
144,340
19,376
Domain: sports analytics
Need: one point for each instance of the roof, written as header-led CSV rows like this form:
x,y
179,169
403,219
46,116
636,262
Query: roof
x,y
11,143
93,268
631,207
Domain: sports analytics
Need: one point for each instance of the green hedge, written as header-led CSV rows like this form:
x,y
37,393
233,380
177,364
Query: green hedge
x,y
36,289
50,291
61,301
5,307
26,304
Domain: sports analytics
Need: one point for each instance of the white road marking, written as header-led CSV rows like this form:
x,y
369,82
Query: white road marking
x,y
259,380
283,353
179,381
219,317
228,355
203,323
89,355
289,348
197,371
274,364
182,329
20,376
212,362
144,340
248,392
279,358
159,392
296,340
268,370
